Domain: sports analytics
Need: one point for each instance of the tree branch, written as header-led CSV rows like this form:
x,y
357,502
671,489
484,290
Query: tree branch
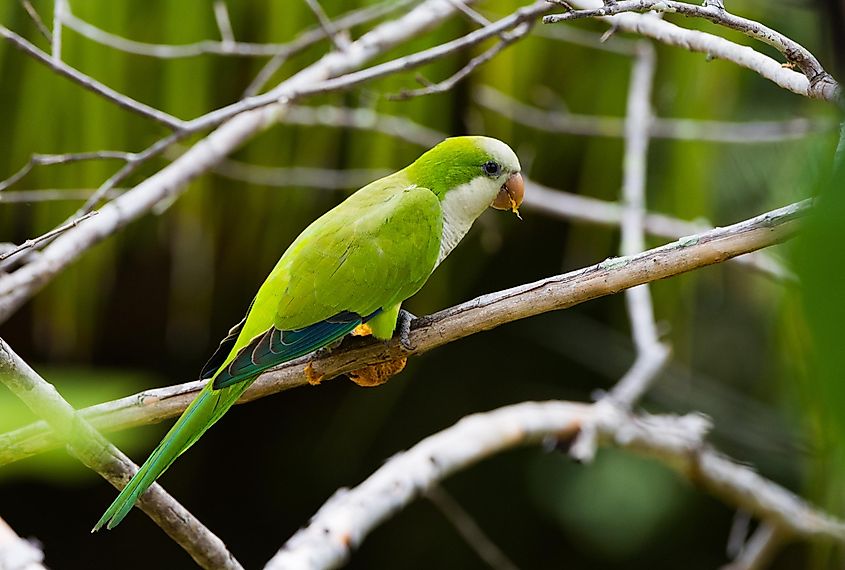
x,y
88,82
350,515
224,48
794,52
819,86
571,206
750,132
98,454
480,314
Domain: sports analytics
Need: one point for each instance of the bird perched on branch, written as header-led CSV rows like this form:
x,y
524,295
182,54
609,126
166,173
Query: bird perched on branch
x,y
348,272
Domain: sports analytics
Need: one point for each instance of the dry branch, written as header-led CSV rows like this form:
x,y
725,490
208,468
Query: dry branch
x,y
93,450
350,515
738,132
821,86
480,314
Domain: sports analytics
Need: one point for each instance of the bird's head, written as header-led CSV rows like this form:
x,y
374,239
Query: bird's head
x,y
477,171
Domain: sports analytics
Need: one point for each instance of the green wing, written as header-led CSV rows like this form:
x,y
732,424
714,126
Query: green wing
x,y
368,254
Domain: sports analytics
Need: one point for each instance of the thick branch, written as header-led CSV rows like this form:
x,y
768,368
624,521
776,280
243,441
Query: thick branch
x,y
480,314
349,516
98,454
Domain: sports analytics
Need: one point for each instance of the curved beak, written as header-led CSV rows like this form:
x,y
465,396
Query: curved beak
x,y
511,194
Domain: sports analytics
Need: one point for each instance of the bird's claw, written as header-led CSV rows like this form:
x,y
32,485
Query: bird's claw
x,y
404,327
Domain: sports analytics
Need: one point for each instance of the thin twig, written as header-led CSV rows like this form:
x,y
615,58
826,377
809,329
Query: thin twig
x,y
36,18
98,454
132,165
242,49
471,14
224,23
344,521
90,83
580,208
450,82
651,354
48,159
480,314
760,548
297,176
52,195
365,119
469,530
32,242
751,132
60,8
329,29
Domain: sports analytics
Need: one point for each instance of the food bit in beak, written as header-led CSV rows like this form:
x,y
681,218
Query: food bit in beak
x,y
511,194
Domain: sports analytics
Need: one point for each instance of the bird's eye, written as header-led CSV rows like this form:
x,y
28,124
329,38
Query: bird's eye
x,y
491,168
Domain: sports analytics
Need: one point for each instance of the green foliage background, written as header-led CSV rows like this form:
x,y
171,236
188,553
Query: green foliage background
x,y
146,307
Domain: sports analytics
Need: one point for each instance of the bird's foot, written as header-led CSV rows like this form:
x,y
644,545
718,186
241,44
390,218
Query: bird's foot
x,y
313,378
377,374
326,350
362,330
403,326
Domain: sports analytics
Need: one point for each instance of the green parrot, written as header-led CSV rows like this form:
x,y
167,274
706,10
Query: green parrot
x,y
349,270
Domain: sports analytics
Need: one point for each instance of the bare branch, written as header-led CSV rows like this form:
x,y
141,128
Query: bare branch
x,y
652,355
343,522
45,237
224,24
342,23
469,529
751,132
60,8
794,52
46,159
820,86
449,83
366,119
52,195
471,14
592,210
760,548
36,18
243,49
90,83
17,553
480,314
298,176
327,25
92,449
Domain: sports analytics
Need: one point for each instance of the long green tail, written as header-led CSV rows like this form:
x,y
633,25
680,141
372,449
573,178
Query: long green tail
x,y
206,409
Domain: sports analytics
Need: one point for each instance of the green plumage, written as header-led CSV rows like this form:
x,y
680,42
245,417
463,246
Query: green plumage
x,y
360,260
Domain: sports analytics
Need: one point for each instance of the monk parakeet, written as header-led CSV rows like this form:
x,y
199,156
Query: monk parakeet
x,y
349,270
